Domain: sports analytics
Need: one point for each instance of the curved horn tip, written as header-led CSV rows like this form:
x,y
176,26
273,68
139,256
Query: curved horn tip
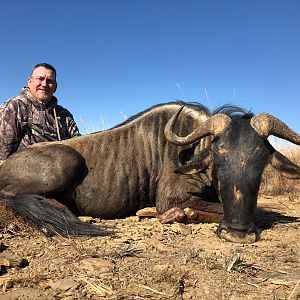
x,y
265,124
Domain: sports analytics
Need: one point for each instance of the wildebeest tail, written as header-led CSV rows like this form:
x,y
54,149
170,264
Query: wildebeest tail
x,y
49,218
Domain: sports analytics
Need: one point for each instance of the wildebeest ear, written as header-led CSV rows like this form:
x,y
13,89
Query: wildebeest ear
x,y
285,166
196,164
190,168
186,154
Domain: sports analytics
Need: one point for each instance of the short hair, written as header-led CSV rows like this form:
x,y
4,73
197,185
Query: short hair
x,y
46,66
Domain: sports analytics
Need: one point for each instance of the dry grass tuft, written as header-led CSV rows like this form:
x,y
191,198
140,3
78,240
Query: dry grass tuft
x,y
9,222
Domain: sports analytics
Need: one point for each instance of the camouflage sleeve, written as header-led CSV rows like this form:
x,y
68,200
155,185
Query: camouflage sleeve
x,y
10,128
72,127
69,122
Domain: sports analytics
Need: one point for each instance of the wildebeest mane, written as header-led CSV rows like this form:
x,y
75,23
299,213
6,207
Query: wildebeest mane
x,y
194,105
233,111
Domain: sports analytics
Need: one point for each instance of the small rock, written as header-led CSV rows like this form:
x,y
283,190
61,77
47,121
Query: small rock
x,y
8,259
65,284
181,228
67,298
123,239
161,268
290,277
25,293
147,212
101,265
160,246
88,219
133,219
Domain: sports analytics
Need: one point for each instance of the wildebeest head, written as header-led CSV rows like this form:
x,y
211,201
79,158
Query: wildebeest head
x,y
237,155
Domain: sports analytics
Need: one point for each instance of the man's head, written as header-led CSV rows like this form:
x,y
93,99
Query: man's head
x,y
42,82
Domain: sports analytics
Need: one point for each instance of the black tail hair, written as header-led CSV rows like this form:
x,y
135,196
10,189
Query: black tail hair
x,y
42,214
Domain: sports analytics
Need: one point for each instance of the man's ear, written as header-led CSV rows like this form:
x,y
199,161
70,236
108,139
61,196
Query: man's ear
x,y
55,87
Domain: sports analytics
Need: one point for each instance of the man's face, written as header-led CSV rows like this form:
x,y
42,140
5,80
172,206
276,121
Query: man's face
x,y
42,84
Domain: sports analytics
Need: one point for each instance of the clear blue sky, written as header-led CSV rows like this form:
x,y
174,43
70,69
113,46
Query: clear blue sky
x,y
119,57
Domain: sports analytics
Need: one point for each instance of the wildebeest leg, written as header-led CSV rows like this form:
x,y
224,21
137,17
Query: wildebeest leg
x,y
189,215
190,206
65,199
57,203
53,171
44,170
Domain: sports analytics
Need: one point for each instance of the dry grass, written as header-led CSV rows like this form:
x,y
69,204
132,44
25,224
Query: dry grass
x,y
274,183
9,222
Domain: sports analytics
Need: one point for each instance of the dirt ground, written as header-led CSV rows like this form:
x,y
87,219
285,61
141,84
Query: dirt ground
x,y
147,260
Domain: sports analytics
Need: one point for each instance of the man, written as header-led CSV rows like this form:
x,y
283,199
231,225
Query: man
x,y
34,115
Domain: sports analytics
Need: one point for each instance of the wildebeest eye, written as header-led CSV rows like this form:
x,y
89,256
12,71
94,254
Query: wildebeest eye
x,y
221,149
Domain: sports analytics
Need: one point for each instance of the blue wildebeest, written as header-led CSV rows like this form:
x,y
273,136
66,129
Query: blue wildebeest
x,y
193,165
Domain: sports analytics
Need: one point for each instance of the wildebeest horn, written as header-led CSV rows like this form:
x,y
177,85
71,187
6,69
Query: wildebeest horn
x,y
214,125
265,124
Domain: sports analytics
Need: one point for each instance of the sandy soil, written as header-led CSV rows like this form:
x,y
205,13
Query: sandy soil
x,y
147,260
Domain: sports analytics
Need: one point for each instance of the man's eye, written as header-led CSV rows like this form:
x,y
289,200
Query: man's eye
x,y
40,78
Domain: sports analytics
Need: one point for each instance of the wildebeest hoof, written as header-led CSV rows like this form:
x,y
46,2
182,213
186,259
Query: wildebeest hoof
x,y
236,236
172,215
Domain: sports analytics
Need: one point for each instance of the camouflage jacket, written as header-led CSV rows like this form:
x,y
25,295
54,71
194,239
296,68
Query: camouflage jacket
x,y
25,121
